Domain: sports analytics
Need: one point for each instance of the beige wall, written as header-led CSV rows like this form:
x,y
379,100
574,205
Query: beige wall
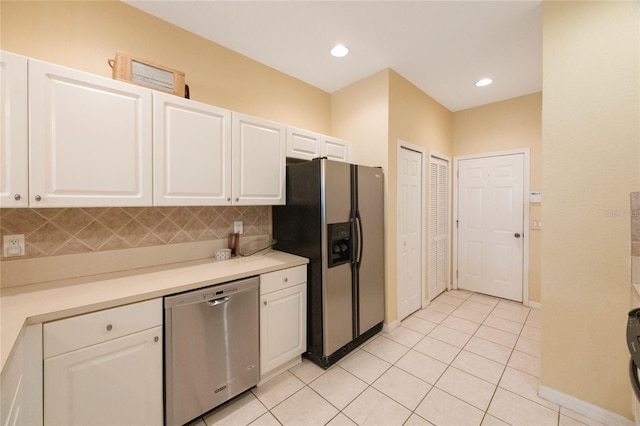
x,y
360,114
418,119
500,126
590,164
85,34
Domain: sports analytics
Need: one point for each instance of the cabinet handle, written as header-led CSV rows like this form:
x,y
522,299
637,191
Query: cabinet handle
x,y
38,198
17,197
264,303
229,199
155,339
109,327
237,199
286,280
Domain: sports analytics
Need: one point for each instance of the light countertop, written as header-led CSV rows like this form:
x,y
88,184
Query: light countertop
x,y
38,303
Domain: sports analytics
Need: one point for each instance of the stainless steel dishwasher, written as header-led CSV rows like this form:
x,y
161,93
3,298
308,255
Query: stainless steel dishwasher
x,y
211,347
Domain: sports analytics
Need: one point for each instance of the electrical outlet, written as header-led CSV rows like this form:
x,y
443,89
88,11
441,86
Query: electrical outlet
x,y
237,227
13,245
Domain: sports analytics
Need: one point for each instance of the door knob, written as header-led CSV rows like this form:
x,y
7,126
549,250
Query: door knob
x,y
517,235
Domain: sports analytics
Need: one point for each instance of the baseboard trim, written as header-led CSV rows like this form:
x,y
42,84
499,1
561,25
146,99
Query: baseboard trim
x,y
281,369
535,305
425,303
389,327
582,407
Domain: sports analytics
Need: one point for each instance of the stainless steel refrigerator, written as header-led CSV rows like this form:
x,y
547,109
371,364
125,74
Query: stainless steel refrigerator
x,y
335,217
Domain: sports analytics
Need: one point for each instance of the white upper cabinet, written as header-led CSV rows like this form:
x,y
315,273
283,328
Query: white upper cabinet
x,y
13,131
303,144
307,145
89,140
258,153
191,152
73,139
336,149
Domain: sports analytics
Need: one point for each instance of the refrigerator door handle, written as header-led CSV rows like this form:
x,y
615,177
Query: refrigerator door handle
x,y
354,240
633,376
360,239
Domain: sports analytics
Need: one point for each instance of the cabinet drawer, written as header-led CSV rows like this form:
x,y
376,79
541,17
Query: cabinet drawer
x,y
85,330
285,278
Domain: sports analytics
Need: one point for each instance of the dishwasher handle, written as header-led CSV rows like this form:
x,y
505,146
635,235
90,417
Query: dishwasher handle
x,y
219,301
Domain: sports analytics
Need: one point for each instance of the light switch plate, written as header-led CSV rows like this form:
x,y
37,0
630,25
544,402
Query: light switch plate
x,y
535,197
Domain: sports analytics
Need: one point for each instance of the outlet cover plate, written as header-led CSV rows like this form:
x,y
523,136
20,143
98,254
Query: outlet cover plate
x,y
13,245
237,227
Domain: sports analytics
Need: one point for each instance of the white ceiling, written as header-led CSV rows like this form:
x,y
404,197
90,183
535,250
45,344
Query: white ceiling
x,y
443,47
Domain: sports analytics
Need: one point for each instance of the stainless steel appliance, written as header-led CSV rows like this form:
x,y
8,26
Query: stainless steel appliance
x,y
633,343
335,217
211,347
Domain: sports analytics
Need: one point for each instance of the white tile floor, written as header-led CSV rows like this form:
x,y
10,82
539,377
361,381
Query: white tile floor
x,y
467,359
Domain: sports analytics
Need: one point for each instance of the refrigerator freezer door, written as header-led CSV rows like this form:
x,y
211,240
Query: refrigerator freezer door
x,y
337,192
371,272
337,288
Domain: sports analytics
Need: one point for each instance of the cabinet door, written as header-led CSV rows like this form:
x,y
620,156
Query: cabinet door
x,y
89,140
258,154
283,326
21,381
191,153
118,382
336,149
303,144
13,131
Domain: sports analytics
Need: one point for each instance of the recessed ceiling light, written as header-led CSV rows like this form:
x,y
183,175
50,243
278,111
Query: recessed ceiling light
x,y
484,82
339,50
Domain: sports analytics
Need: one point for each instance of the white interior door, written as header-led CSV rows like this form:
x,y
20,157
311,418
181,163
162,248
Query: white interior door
x,y
438,226
409,232
490,225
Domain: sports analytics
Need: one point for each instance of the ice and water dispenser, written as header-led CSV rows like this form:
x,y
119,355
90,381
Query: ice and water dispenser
x,y
340,249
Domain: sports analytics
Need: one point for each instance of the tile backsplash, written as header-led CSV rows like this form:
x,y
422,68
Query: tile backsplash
x,y
53,232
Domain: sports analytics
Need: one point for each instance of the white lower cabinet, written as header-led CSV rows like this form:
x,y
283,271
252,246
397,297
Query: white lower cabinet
x,y
283,318
110,372
21,381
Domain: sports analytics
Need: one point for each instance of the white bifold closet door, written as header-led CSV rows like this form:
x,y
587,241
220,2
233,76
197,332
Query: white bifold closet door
x,y
438,226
